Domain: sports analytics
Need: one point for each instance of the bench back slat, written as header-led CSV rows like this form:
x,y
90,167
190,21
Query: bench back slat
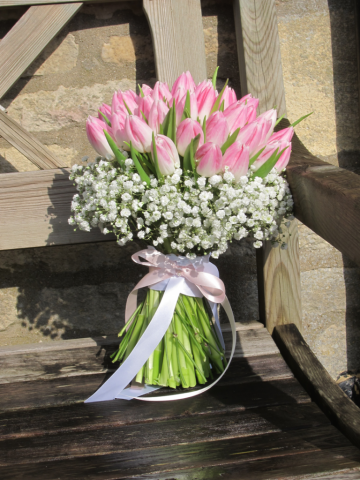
x,y
178,39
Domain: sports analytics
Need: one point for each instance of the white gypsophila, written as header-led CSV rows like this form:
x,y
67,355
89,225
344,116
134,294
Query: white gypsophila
x,y
188,215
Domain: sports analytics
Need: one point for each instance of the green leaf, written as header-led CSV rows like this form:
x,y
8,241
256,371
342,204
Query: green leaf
x,y
156,161
143,115
173,130
222,106
141,91
165,124
118,155
215,77
105,118
187,162
204,129
231,139
255,157
218,100
148,163
266,168
161,129
127,108
301,119
279,120
186,112
144,177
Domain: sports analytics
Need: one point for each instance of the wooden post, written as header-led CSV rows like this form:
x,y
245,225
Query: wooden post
x,y
261,75
178,39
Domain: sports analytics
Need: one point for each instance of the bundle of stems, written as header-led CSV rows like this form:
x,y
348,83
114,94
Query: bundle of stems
x,y
188,354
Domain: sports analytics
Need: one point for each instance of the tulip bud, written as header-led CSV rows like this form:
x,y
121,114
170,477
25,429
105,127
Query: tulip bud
x,y
167,155
144,106
249,100
139,133
284,135
270,115
129,97
187,130
180,105
217,129
117,105
118,128
106,110
236,158
254,135
185,81
95,133
209,159
228,97
270,149
238,115
205,96
161,91
157,115
146,89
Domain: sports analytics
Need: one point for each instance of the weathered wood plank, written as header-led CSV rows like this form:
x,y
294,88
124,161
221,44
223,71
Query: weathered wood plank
x,y
303,466
178,39
279,282
27,144
318,383
18,3
89,356
261,75
35,208
67,391
194,455
28,37
258,49
87,440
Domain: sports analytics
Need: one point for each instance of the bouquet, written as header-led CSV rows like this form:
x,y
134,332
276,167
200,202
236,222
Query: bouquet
x,y
185,171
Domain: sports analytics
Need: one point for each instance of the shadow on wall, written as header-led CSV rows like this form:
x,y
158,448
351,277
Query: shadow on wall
x,y
346,97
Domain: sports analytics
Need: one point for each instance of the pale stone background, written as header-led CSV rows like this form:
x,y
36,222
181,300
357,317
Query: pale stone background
x,y
76,291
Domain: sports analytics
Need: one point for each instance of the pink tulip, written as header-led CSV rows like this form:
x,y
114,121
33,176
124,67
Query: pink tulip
x,y
239,114
157,115
168,157
139,133
209,159
180,105
118,128
144,106
205,97
236,158
187,130
129,97
185,82
217,129
161,91
255,134
269,115
146,89
249,100
95,133
270,149
284,135
228,97
106,110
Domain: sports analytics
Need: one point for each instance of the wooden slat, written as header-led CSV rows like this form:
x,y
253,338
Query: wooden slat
x,y
89,356
18,3
29,37
317,381
261,75
71,390
27,144
35,207
192,455
87,439
279,282
258,49
178,39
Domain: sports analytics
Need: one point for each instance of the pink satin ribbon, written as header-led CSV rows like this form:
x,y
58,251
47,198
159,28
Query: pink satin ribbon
x,y
162,268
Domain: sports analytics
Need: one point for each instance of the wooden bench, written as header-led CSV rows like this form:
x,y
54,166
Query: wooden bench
x,y
260,421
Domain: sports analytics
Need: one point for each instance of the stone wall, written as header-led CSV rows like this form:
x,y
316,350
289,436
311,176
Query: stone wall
x,y
75,291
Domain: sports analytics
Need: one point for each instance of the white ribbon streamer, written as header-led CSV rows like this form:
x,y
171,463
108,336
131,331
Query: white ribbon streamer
x,y
115,386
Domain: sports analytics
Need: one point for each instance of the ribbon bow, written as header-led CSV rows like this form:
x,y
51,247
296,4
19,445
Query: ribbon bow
x,y
180,276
